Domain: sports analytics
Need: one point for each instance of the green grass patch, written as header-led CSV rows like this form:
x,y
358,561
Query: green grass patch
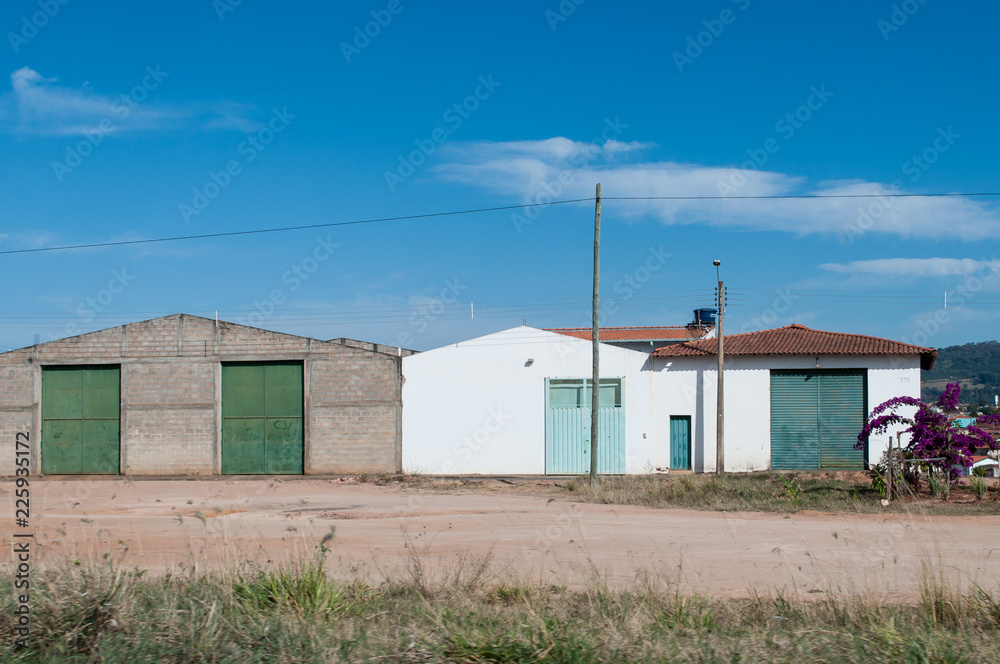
x,y
301,614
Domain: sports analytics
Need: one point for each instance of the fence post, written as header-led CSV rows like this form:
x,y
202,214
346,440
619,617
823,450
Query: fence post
x,y
888,472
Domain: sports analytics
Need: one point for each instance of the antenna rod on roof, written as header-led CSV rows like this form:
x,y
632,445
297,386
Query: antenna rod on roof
x,y
472,310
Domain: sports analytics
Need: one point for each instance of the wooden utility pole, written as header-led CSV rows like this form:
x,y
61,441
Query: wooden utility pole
x,y
595,398
720,438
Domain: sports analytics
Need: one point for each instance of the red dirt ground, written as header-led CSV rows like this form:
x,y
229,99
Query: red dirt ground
x,y
216,523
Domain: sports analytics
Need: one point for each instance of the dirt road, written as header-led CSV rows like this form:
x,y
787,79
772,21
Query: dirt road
x,y
159,524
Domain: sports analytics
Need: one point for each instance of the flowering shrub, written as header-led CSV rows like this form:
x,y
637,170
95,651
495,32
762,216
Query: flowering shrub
x,y
931,433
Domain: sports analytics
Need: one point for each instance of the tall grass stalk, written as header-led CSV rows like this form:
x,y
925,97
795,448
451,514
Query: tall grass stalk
x,y
473,612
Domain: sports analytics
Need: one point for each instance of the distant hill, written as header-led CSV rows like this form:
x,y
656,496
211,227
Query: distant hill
x,y
976,366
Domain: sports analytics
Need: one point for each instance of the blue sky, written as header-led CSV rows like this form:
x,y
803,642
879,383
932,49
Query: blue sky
x,y
121,120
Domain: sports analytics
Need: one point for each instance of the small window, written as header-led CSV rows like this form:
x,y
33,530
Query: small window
x,y
576,393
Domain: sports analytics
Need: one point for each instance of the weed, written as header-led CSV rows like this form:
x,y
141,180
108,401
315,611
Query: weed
x,y
793,488
978,485
306,591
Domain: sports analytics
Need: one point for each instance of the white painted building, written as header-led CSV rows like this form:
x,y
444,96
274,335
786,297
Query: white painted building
x,y
479,406
515,402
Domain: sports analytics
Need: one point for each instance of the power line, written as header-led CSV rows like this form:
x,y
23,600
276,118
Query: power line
x,y
177,238
283,229
793,196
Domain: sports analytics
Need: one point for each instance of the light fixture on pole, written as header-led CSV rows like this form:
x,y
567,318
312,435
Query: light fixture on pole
x,y
720,444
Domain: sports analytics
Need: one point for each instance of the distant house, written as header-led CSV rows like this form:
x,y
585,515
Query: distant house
x,y
990,466
518,401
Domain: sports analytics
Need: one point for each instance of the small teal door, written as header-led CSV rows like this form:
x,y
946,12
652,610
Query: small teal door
x,y
567,427
680,442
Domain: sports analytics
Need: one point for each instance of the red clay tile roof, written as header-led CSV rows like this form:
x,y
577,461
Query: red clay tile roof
x,y
662,333
799,340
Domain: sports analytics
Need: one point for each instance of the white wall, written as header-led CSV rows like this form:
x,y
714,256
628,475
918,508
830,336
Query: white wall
x,y
688,386
476,408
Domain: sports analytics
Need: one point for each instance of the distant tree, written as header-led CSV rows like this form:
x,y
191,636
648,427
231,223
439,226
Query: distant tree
x,y
931,432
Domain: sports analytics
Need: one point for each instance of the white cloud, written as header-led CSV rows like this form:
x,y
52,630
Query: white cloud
x,y
910,267
562,168
37,105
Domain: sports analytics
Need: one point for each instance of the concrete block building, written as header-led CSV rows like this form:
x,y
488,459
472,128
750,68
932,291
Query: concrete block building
x,y
185,395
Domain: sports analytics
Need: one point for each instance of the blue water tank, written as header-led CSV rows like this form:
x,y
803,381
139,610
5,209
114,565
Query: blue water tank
x,y
705,316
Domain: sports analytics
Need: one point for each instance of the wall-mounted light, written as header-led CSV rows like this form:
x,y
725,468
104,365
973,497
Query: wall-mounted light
x,y
817,363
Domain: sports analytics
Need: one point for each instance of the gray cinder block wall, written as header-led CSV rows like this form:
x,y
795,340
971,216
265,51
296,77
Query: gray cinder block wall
x,y
171,394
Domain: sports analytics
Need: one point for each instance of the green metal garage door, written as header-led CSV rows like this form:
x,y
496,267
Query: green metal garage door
x,y
567,427
81,417
815,419
262,418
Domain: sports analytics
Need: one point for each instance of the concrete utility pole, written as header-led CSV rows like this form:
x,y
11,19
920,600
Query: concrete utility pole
x,y
720,438
595,398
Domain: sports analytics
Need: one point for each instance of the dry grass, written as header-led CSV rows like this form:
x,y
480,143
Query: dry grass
x,y
757,492
470,614
772,492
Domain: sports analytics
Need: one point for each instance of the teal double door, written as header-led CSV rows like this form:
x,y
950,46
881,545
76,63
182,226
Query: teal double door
x,y
567,426
815,419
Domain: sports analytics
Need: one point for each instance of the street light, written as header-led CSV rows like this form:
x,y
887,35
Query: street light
x,y
720,445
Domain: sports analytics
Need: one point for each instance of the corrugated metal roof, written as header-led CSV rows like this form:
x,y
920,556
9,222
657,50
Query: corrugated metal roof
x,y
661,333
799,340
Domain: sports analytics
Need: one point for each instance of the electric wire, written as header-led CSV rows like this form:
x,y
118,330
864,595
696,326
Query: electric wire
x,y
258,231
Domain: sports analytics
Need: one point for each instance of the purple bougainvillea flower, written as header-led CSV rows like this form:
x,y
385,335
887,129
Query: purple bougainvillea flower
x,y
931,433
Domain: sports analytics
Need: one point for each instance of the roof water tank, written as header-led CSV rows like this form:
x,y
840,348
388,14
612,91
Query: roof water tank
x,y
705,316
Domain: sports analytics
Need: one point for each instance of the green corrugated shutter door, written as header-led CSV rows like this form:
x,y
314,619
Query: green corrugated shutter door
x,y
262,418
841,418
794,415
81,420
815,419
